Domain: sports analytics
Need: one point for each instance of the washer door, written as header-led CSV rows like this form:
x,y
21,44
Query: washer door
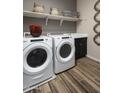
x,y
36,58
65,51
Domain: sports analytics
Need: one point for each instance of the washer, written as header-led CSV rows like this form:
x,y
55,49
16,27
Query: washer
x,y
64,52
37,62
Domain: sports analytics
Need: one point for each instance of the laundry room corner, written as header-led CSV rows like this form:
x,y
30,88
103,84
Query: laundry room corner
x,y
61,46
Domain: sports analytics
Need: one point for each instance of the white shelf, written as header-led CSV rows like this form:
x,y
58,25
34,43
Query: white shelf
x,y
48,16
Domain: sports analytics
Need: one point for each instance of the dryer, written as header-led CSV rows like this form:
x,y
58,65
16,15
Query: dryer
x,y
64,52
37,62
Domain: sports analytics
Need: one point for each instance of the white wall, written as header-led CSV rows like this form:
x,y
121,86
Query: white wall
x,y
85,7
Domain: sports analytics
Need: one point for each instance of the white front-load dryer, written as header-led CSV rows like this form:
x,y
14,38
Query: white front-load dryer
x,y
37,62
64,52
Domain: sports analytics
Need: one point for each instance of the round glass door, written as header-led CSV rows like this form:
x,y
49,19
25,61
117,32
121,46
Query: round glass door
x,y
65,51
36,57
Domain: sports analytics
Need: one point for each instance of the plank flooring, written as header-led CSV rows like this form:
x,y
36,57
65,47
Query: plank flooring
x,y
83,78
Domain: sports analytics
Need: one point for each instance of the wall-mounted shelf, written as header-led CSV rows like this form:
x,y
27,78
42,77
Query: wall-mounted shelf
x,y
48,16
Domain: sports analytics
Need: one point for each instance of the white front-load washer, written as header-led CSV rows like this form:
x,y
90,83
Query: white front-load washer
x,y
37,62
64,52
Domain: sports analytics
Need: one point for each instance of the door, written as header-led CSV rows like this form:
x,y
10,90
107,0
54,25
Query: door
x,y
65,51
36,58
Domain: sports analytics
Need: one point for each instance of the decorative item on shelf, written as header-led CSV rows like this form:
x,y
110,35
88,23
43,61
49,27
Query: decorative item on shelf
x,y
54,11
67,13
70,13
38,8
35,30
76,14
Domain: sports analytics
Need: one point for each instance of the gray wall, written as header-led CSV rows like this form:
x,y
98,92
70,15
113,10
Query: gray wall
x,y
53,26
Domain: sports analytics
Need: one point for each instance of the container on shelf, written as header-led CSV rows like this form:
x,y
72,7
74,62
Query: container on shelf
x,y
55,11
69,13
38,8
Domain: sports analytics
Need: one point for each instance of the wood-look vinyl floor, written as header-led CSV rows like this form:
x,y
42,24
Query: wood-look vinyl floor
x,y
83,78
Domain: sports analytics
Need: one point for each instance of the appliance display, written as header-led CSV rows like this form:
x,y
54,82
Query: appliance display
x,y
64,52
37,62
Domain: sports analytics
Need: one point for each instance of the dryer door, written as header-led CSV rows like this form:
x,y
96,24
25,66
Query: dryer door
x,y
65,51
36,58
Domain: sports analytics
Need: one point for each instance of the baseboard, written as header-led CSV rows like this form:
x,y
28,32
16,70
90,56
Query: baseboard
x,y
95,59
